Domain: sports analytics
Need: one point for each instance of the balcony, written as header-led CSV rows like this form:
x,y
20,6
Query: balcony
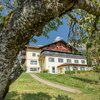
x,y
62,54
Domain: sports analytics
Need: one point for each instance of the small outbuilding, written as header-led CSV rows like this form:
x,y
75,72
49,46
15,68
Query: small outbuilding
x,y
72,67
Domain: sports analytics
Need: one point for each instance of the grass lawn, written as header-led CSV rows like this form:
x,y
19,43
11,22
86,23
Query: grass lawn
x,y
26,88
87,82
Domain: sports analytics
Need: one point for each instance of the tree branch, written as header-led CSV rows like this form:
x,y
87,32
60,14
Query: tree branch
x,y
32,15
88,6
74,19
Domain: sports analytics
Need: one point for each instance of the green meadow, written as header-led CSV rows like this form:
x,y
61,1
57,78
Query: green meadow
x,y
26,88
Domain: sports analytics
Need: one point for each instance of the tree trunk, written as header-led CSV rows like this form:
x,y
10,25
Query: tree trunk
x,y
26,21
17,70
8,54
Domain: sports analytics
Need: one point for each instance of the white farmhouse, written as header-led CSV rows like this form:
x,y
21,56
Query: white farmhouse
x,y
56,57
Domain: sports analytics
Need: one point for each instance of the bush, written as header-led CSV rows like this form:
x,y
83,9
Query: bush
x,y
45,71
81,71
75,71
62,97
69,72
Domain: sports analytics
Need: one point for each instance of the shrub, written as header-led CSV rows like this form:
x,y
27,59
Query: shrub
x,y
45,71
69,72
81,71
62,97
75,71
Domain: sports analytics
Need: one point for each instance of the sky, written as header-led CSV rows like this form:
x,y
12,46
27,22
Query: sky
x,y
61,33
4,12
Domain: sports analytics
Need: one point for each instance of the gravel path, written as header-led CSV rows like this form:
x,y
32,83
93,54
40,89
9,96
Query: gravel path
x,y
51,84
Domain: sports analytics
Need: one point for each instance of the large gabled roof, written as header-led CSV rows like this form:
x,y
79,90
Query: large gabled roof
x,y
41,47
62,42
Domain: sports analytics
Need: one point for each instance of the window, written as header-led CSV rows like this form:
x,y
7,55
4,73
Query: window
x,y
82,68
33,54
60,60
33,69
75,67
51,59
76,61
67,68
33,62
83,61
53,69
68,60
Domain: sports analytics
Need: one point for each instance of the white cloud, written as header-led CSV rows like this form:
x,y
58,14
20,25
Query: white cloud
x,y
58,38
40,45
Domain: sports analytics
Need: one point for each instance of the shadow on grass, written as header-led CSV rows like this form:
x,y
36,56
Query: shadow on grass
x,y
85,80
34,96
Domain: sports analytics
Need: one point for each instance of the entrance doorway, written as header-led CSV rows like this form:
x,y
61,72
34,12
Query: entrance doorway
x,y
53,69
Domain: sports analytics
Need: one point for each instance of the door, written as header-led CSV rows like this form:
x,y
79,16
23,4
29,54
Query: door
x,y
53,69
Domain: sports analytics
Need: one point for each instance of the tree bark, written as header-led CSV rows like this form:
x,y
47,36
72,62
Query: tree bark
x,y
26,21
17,70
88,6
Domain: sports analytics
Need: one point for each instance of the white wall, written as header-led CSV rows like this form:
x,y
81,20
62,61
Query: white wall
x,y
47,65
29,57
56,63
